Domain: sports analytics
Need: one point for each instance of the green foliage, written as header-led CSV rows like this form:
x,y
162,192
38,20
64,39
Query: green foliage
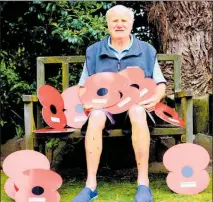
x,y
75,23
52,143
56,80
12,89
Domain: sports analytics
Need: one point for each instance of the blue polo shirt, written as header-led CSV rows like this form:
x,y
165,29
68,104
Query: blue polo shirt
x,y
157,73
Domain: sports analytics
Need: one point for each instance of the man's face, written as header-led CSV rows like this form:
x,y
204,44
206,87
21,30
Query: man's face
x,y
119,24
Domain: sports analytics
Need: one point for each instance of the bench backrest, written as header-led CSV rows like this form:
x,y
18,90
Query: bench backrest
x,y
67,60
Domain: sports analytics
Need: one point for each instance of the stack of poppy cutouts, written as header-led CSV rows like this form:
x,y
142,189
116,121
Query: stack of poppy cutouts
x,y
109,91
30,178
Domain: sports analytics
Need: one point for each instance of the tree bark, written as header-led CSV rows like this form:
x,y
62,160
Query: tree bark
x,y
186,28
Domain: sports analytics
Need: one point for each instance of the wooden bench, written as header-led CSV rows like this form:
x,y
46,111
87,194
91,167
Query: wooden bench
x,y
183,105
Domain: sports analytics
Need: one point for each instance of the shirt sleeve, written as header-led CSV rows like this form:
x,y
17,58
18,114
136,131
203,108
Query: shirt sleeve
x,y
157,74
84,76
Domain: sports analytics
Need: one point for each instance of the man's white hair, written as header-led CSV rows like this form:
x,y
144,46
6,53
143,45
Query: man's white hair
x,y
120,7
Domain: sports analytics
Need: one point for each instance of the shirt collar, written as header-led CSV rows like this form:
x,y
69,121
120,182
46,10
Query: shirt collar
x,y
134,49
129,46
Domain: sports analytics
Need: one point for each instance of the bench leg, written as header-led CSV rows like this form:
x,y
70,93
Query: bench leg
x,y
189,120
29,125
187,106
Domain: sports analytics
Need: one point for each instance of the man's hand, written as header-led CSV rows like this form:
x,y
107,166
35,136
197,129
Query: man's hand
x,y
149,104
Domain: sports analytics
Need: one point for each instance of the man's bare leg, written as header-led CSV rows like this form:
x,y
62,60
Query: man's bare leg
x,y
93,146
140,142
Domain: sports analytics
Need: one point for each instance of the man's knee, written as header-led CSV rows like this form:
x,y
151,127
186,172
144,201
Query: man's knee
x,y
137,114
97,119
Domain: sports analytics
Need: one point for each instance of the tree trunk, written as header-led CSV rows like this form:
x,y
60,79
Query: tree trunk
x,y
186,28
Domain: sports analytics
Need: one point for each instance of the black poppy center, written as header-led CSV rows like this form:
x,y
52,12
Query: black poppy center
x,y
135,85
37,190
167,114
53,109
102,91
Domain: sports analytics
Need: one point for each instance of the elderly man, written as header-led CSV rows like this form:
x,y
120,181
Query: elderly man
x,y
118,51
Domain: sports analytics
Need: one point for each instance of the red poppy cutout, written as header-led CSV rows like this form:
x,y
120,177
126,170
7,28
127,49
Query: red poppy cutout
x,y
147,88
130,96
161,110
22,160
53,106
38,185
74,111
10,188
186,163
82,90
102,90
133,74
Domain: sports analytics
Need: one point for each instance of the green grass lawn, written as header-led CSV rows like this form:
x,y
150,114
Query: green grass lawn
x,y
123,191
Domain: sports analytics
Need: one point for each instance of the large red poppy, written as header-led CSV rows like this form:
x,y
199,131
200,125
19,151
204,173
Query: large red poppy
x,y
186,164
38,184
102,90
74,111
53,106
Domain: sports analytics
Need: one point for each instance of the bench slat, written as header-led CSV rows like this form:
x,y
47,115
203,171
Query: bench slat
x,y
44,133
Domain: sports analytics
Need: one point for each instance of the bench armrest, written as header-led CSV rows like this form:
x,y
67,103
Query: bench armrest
x,y
30,98
183,93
